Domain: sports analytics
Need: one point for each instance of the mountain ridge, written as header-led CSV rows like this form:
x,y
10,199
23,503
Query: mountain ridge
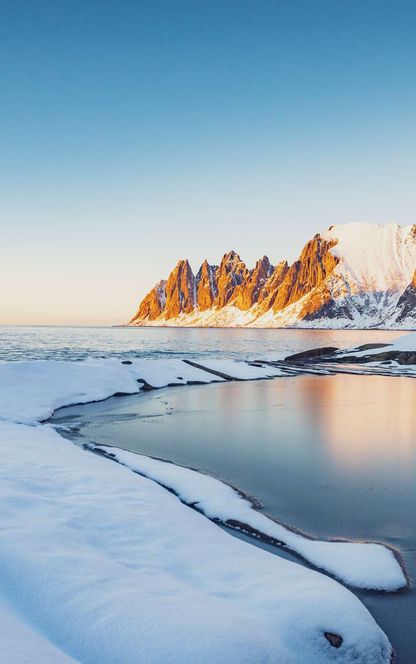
x,y
352,275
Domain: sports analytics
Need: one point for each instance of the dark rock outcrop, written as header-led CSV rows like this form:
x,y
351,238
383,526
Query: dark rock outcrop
x,y
313,354
406,306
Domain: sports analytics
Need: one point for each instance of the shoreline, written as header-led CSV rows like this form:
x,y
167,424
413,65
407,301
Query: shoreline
x,y
237,421
384,610
254,327
253,533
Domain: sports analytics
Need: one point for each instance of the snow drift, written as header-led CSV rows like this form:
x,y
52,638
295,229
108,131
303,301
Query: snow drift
x,y
110,567
100,565
359,564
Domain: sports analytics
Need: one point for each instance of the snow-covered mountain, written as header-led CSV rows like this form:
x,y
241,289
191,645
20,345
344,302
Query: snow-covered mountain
x,y
353,275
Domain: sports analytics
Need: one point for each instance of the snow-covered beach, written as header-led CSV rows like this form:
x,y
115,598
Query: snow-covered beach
x,y
208,332
139,576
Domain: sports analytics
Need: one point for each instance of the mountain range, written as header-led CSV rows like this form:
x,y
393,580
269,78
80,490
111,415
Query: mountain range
x,y
354,276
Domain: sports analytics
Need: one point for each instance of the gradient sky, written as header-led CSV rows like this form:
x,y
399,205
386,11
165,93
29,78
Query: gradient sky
x,y
135,133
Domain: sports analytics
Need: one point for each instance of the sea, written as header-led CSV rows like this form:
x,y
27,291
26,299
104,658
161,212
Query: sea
x,y
79,343
334,456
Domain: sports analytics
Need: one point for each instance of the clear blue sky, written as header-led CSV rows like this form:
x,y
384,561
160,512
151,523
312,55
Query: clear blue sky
x,y
135,133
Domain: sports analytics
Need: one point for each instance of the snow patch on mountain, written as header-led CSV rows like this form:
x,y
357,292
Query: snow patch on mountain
x,y
372,257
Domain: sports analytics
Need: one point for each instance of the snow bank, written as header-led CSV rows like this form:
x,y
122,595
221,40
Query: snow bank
x,y
241,370
159,373
99,565
404,343
407,342
362,565
110,567
20,644
31,391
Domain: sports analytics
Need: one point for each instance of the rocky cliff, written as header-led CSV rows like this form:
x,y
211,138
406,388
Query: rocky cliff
x,y
206,286
406,305
357,275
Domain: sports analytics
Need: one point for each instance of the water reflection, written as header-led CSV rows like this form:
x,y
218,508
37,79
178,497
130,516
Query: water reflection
x,y
366,422
331,455
305,445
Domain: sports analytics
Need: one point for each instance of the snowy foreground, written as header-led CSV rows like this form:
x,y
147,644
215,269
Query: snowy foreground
x,y
31,391
361,565
100,565
109,567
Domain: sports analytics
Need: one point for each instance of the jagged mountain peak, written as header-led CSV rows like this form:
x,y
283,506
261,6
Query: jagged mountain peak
x,y
231,255
262,262
230,259
183,263
352,275
206,286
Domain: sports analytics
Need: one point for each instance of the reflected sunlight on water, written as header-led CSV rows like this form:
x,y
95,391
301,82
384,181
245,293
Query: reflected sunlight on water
x,y
365,421
332,455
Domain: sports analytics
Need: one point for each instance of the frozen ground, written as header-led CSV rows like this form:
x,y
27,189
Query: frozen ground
x,y
110,567
405,343
31,391
99,565
21,644
358,564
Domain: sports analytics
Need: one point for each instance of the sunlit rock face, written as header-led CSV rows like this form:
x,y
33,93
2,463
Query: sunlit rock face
x,y
314,264
180,291
231,273
247,292
268,293
206,286
354,275
152,306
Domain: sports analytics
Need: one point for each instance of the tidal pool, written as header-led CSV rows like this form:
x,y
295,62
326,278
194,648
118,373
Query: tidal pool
x,y
334,456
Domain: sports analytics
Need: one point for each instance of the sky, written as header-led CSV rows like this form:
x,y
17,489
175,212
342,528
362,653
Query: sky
x,y
136,133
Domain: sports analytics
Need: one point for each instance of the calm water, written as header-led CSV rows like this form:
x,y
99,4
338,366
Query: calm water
x,y
75,343
334,456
